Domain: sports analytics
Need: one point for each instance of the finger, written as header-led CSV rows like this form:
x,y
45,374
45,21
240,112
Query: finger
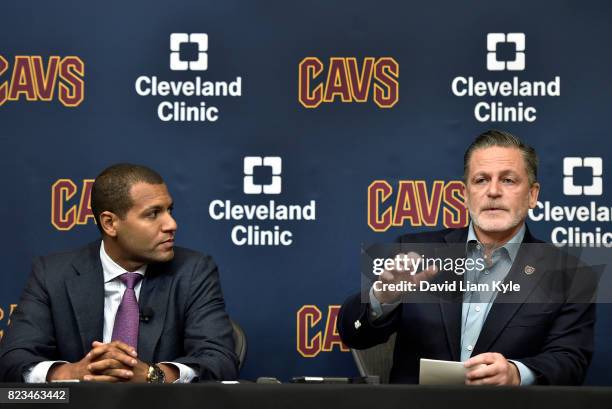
x,y
94,345
100,378
486,358
404,263
411,263
103,351
105,364
122,374
482,371
98,351
124,347
387,276
491,380
426,274
486,380
395,276
117,355
476,381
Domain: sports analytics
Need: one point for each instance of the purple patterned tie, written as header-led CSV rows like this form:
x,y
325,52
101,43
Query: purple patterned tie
x,y
127,318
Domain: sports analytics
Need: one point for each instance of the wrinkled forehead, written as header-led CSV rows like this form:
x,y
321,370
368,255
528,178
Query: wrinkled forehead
x,y
497,160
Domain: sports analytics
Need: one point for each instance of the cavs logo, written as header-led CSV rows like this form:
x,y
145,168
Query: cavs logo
x,y
310,341
68,208
6,316
29,77
416,205
347,80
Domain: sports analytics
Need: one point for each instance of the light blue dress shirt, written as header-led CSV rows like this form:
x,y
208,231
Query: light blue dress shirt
x,y
476,305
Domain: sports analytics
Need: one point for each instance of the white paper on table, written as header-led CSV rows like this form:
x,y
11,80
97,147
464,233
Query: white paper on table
x,y
436,372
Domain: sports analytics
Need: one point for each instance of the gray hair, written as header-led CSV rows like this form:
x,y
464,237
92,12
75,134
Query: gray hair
x,y
504,139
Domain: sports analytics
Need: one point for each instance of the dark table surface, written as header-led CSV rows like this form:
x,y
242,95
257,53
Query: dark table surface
x,y
250,395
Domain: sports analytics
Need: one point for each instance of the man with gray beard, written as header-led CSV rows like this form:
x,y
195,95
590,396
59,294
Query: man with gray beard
x,y
523,341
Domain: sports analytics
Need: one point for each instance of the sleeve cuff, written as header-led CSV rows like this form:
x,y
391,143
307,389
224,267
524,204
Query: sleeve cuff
x,y
186,373
527,375
379,311
37,373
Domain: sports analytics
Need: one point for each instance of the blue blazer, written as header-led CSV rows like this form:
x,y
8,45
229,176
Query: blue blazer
x,y
554,339
61,312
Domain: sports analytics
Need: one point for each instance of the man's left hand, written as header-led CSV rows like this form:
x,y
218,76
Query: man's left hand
x,y
491,368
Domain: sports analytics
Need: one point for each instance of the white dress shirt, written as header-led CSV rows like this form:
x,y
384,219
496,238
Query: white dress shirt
x,y
113,293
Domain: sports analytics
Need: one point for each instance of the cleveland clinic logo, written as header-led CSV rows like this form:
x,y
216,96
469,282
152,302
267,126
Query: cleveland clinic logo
x,y
570,188
272,163
506,100
259,222
185,98
183,39
580,221
517,40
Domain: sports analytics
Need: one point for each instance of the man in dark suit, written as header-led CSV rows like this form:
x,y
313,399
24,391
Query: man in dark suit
x,y
532,336
129,308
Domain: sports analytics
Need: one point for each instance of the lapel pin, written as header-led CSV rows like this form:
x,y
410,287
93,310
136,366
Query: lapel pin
x,y
357,324
529,270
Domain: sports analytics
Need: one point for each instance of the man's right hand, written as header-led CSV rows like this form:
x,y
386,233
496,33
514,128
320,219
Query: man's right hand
x,y
396,276
69,371
117,359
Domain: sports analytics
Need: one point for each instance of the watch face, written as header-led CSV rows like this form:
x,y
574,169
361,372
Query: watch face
x,y
156,375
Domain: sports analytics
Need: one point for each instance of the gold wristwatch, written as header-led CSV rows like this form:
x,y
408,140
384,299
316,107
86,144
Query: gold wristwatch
x,y
155,374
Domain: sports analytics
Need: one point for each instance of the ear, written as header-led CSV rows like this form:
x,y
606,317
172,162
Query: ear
x,y
534,191
108,223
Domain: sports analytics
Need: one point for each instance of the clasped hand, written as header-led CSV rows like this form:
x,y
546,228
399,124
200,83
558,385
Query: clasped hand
x,y
111,362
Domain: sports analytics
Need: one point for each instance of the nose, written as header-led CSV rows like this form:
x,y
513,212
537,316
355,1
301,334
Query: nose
x,y
494,189
169,224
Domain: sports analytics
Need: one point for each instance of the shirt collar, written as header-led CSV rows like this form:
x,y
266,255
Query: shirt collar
x,y
113,270
511,246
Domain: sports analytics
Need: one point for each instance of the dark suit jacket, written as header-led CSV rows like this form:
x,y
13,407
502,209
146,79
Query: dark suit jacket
x,y
61,313
554,338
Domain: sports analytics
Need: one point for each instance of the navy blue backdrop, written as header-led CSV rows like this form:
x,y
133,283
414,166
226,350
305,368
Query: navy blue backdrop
x,y
412,125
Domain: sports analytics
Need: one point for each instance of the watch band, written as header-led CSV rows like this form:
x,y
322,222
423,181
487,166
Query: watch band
x,y
155,374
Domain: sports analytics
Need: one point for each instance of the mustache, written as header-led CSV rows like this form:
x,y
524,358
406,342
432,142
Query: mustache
x,y
493,205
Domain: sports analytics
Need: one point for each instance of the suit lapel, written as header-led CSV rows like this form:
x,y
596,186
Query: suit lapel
x,y
86,293
506,305
154,293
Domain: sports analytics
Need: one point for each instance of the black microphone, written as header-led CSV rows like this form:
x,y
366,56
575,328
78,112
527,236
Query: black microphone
x,y
146,314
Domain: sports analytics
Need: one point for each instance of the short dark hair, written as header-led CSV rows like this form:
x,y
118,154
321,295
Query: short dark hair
x,y
111,189
494,137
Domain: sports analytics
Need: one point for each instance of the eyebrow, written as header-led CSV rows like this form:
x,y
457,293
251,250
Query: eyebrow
x,y
157,207
503,172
